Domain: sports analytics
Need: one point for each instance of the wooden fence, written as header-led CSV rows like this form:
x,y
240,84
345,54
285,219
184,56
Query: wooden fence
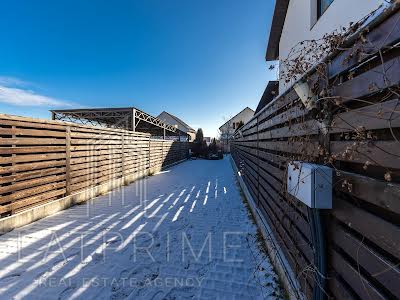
x,y
362,145
41,161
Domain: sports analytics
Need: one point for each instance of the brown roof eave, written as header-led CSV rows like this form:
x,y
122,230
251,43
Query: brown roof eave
x,y
278,20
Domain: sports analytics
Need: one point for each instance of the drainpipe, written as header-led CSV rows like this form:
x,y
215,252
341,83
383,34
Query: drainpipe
x,y
302,178
318,228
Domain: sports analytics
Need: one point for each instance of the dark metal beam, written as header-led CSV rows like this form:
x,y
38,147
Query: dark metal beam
x,y
123,118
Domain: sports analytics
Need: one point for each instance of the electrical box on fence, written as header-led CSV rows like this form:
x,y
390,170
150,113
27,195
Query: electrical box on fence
x,y
311,184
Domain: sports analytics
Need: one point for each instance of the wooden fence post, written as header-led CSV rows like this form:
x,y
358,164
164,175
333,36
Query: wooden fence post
x,y
149,153
258,165
14,128
162,153
123,155
68,160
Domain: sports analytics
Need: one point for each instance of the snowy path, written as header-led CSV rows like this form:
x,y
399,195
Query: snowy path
x,y
191,238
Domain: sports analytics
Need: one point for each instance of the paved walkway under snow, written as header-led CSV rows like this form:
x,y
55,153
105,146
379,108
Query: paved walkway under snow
x,y
181,234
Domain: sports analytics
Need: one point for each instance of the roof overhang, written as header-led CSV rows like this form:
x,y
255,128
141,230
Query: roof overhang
x,y
270,92
278,20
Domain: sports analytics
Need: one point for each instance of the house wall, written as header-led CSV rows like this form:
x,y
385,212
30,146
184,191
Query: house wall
x,y
300,23
192,136
168,119
244,116
227,130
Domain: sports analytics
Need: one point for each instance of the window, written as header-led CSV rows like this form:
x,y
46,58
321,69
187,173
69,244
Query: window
x,y
322,6
234,125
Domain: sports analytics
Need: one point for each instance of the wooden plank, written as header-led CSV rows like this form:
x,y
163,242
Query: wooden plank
x,y
379,153
377,116
31,132
291,211
76,154
31,191
376,79
31,183
92,177
92,165
31,149
106,131
384,234
380,193
29,123
339,290
31,158
102,141
31,141
95,136
377,266
279,160
94,170
311,127
293,255
93,158
286,100
30,175
306,148
385,34
279,174
31,200
32,166
94,148
292,113
361,286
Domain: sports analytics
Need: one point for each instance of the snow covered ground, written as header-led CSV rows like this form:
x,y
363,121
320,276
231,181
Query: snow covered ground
x,y
181,234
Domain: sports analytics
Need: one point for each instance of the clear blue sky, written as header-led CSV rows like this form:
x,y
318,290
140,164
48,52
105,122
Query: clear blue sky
x,y
200,60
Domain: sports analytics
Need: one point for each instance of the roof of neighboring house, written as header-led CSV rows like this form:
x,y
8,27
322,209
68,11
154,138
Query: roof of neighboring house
x,y
271,91
179,121
246,108
281,7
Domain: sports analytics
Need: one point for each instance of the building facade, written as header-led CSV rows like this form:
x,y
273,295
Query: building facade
x,y
181,125
297,21
229,127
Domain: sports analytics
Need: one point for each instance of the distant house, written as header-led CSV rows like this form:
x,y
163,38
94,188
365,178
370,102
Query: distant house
x,y
208,140
270,92
229,127
295,21
173,120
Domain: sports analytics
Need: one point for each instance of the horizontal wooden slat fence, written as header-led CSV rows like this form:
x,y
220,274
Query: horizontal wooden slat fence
x,y
362,113
42,160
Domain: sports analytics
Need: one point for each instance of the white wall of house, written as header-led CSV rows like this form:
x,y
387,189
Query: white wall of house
x,y
170,120
301,24
229,128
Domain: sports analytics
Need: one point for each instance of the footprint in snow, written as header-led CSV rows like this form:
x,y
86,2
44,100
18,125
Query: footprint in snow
x,y
9,278
58,264
142,276
97,257
180,293
66,292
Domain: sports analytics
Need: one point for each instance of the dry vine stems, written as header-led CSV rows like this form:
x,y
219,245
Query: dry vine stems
x,y
303,57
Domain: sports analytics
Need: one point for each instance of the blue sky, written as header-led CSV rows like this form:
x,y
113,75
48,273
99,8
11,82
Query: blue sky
x,y
200,60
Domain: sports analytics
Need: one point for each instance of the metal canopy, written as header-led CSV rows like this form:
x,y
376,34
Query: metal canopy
x,y
129,118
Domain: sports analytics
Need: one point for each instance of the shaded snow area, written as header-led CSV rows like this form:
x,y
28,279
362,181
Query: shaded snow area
x,y
183,233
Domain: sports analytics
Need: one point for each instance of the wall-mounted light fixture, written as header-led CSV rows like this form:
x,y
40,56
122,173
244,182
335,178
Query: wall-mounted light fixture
x,y
305,94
